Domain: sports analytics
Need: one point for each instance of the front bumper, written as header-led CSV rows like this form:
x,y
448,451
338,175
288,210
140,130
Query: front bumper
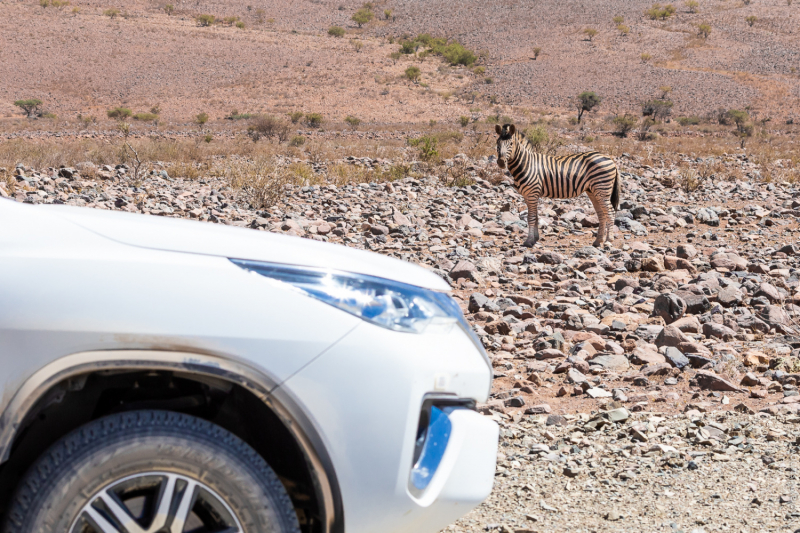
x,y
366,394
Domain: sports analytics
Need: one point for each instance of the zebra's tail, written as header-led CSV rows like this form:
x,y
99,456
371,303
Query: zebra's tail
x,y
615,191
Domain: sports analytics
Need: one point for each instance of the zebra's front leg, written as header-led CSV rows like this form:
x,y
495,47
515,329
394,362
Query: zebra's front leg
x,y
533,223
601,217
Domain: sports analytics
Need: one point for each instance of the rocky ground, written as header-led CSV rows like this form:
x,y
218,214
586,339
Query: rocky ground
x,y
649,385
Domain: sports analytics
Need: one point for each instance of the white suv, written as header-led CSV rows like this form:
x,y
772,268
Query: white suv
x,y
164,375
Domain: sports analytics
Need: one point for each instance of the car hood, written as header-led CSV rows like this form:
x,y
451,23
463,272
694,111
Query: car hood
x,y
205,238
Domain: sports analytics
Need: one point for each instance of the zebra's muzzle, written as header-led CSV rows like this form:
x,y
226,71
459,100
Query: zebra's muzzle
x,y
501,163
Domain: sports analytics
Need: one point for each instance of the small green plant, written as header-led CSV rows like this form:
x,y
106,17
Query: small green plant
x,y
689,121
619,19
586,101
479,71
693,6
268,126
235,115
241,25
314,120
488,81
205,20
297,140
463,120
111,13
590,33
336,31
357,45
623,29
44,3
352,121
658,109
394,56
660,13
201,118
229,21
169,9
752,19
295,116
413,73
145,117
537,51
29,106
208,138
541,141
387,14
428,147
704,30
119,113
623,124
645,57
362,16
51,116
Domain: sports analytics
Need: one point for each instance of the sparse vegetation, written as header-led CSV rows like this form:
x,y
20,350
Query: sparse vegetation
x,y
693,6
542,141
658,109
623,124
657,12
488,81
463,120
387,14
29,106
665,90
352,121
394,56
586,101
413,73
428,147
119,113
201,118
205,20
704,30
336,31
536,52
362,16
169,9
295,116
645,57
452,51
479,71
357,45
314,120
269,127
623,29
241,25
644,133
689,121
297,140
618,19
590,33
111,13
752,19
145,117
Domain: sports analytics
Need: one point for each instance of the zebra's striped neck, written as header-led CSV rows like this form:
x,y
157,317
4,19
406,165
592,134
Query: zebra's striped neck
x,y
519,156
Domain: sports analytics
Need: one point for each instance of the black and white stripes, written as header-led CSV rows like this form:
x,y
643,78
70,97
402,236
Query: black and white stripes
x,y
542,176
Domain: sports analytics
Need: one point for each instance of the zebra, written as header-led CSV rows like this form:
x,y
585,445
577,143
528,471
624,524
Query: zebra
x,y
538,175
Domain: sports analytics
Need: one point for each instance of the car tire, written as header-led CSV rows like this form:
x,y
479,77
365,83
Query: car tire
x,y
129,457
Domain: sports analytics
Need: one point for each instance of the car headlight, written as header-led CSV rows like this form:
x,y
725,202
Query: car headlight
x,y
387,303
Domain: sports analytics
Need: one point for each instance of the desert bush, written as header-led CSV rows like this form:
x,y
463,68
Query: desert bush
x,y
241,25
413,73
752,19
664,90
658,109
357,45
111,13
623,124
590,33
169,9
229,21
205,20
660,13
692,6
29,106
623,29
336,31
537,52
295,116
463,120
704,30
261,182
387,14
394,56
480,71
268,126
145,117
208,138
428,146
297,140
619,19
586,101
645,57
644,133
689,121
362,16
452,51
119,112
488,81
352,121
409,47
201,118
542,141
235,115
314,120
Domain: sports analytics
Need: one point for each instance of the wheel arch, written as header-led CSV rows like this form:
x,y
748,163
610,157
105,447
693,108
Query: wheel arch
x,y
259,384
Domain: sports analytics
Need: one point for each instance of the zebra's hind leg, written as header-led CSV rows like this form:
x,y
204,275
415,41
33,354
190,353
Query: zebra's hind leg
x,y
533,223
601,216
610,214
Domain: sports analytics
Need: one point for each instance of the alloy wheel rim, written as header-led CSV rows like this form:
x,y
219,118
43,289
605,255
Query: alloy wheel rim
x,y
156,502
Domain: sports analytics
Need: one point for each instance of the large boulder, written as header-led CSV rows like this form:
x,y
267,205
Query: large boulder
x,y
670,307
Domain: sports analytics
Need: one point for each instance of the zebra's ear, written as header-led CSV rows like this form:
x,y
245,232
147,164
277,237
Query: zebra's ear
x,y
511,129
497,129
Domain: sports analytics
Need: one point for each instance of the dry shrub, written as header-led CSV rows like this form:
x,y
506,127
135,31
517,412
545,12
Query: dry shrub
x,y
260,182
183,170
343,173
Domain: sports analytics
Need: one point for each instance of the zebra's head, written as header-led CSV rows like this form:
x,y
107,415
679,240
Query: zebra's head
x,y
505,143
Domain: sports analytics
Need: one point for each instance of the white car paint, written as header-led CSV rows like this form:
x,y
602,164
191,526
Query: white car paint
x,y
76,280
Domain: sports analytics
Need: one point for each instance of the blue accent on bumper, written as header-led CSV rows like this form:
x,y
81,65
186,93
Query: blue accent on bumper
x,y
436,439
